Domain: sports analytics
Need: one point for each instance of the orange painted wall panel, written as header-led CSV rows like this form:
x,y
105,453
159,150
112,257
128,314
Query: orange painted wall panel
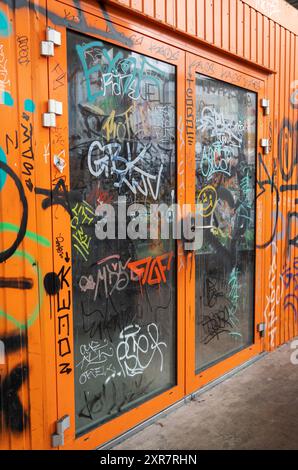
x,y
171,12
240,29
209,21
191,16
216,23
201,19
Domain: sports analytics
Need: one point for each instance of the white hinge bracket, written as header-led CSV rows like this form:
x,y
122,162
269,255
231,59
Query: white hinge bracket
x,y
265,146
61,425
49,120
53,38
265,104
55,107
261,329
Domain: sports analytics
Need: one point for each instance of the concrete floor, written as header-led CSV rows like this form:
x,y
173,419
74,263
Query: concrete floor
x,y
255,409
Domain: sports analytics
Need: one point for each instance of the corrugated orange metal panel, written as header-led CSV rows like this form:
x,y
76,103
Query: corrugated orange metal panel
x,y
247,31
225,25
279,10
27,377
148,7
216,23
233,26
191,16
240,29
265,42
200,19
272,49
181,15
253,36
171,12
160,10
209,26
136,4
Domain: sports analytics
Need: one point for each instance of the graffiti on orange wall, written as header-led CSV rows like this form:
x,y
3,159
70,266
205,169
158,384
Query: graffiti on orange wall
x,y
282,237
16,259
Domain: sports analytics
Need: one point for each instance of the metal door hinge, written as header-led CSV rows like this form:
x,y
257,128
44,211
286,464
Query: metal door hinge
x,y
265,103
53,38
265,145
261,329
61,425
55,107
49,120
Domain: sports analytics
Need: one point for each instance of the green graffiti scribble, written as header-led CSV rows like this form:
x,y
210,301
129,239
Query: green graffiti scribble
x,y
34,315
31,235
234,333
233,297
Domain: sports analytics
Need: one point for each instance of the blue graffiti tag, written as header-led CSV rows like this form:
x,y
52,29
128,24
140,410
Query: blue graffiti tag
x,y
116,76
5,26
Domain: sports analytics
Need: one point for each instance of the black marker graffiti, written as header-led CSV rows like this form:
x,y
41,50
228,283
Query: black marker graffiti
x,y
14,415
11,408
5,254
51,283
16,283
268,188
57,196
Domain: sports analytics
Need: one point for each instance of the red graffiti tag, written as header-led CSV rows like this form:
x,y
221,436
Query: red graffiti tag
x,y
152,270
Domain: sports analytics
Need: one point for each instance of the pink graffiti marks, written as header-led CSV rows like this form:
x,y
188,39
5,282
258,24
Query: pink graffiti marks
x,y
290,280
4,78
82,215
274,298
112,272
152,270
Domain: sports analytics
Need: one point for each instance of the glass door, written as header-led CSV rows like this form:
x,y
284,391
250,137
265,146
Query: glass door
x,y
119,310
223,141
122,150
226,138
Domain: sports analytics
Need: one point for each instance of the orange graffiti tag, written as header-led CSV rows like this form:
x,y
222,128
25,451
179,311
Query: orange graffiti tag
x,y
152,270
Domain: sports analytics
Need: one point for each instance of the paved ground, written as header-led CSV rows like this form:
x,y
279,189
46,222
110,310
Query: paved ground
x,y
255,409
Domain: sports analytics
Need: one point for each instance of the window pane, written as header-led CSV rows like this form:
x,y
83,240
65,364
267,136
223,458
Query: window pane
x,y
225,186
122,143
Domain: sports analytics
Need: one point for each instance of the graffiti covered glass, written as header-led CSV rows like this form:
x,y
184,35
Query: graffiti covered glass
x,y
225,186
122,145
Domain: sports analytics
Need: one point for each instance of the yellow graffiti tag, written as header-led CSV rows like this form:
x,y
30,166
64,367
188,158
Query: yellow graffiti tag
x,y
207,197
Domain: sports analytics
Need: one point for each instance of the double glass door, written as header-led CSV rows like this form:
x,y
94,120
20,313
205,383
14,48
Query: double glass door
x,y
146,322
226,125
122,150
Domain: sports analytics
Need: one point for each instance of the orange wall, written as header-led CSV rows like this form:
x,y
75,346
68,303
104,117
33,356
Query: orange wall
x,y
27,326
